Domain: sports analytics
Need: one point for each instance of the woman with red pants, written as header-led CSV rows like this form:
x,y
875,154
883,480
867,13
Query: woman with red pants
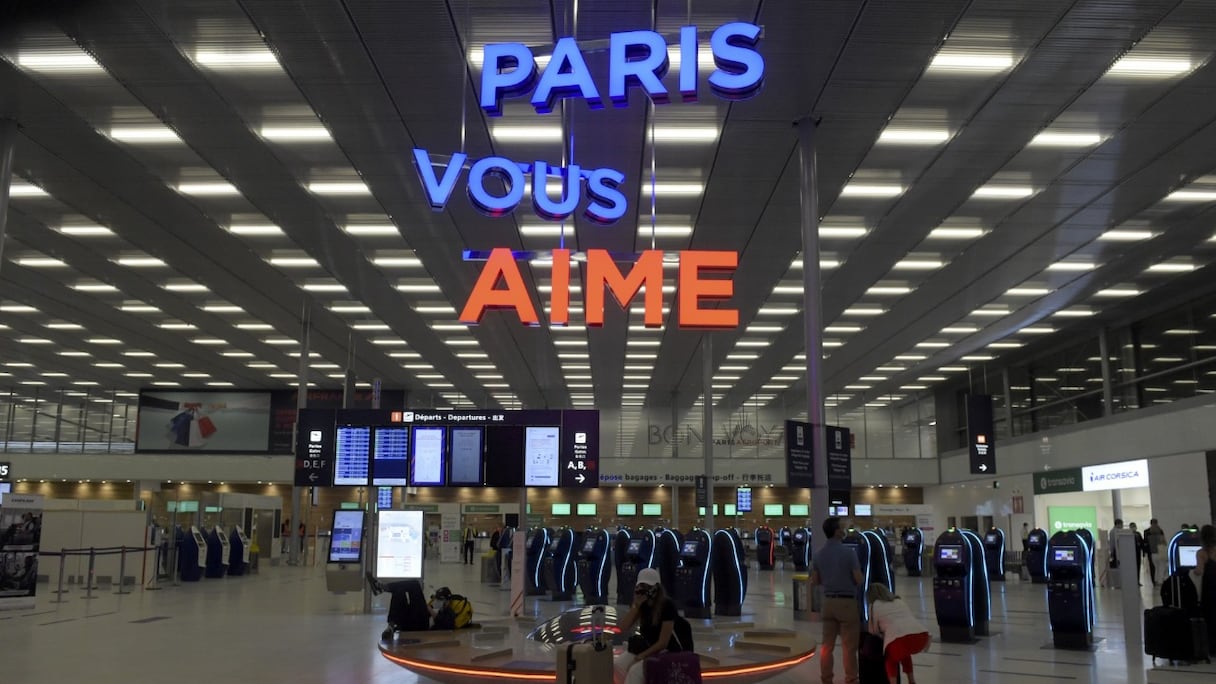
x,y
902,634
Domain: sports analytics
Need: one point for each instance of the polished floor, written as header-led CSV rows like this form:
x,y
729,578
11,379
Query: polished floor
x,y
281,625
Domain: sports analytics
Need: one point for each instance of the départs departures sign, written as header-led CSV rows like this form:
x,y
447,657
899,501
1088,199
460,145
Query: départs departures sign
x,y
637,60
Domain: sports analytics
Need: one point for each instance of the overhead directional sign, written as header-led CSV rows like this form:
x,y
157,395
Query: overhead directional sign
x,y
702,484
981,439
315,442
580,440
840,458
799,468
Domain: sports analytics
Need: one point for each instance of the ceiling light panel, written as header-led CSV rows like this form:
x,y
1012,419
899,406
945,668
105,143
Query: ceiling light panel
x,y
244,59
154,134
970,62
913,136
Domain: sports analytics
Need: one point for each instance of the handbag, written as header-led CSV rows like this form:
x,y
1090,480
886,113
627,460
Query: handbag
x,y
680,667
206,426
636,644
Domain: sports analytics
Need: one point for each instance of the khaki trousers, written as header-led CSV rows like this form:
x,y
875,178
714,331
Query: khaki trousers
x,y
841,617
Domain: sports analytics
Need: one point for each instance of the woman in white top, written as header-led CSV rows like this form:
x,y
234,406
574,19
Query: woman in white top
x,y
902,634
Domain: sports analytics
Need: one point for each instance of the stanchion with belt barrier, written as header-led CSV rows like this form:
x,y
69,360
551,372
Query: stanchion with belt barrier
x,y
60,591
93,552
88,587
122,572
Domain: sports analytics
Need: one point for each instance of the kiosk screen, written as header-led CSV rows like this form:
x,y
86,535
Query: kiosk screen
x,y
1035,540
1187,556
953,554
690,548
991,539
554,544
635,548
799,536
346,538
1065,555
589,546
910,539
198,539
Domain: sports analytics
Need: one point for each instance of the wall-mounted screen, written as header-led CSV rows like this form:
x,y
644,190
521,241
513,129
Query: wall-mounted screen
x,y
774,510
351,459
390,457
950,553
1066,554
701,510
466,456
542,447
1188,556
560,509
384,498
586,509
199,420
863,510
5,488
399,541
652,509
427,447
731,510
346,537
838,511
743,500
626,509
504,456
800,510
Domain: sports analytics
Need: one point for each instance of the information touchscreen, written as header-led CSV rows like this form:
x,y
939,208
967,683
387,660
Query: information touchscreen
x,y
428,456
991,539
589,546
354,449
390,457
346,538
466,456
541,446
1187,556
1066,555
635,548
689,548
399,540
950,553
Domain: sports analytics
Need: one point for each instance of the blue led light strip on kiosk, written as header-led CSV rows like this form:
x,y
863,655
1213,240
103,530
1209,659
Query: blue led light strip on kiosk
x,y
536,574
735,557
982,562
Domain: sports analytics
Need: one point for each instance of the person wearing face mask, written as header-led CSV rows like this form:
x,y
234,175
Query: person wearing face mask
x,y
660,628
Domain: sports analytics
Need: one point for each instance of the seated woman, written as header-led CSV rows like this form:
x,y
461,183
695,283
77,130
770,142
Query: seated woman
x,y
902,634
656,618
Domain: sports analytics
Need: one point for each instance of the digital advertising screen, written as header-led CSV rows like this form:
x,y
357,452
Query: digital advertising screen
x,y
800,510
399,539
466,456
950,553
351,456
863,510
541,456
1187,555
427,448
346,537
201,420
1064,555
390,457
626,509
560,509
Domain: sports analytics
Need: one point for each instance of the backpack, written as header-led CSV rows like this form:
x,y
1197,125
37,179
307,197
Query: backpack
x,y
457,613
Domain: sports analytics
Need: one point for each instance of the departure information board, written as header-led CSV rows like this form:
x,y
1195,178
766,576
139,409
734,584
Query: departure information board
x,y
541,456
351,463
390,457
466,456
428,456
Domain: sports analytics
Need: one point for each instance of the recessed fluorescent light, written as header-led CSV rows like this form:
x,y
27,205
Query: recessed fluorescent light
x,y
34,340
978,357
18,189
248,59
254,326
843,329
1061,139
1117,292
295,133
369,326
777,311
17,308
205,189
841,231
40,262
871,190
960,330
323,287
222,308
349,308
1037,330
185,287
1120,235
139,262
1071,266
864,311
1171,267
674,189
293,262
975,62
1027,291
177,326
1073,313
144,134
417,287
255,229
1183,331
371,229
339,188
85,231
103,340
63,326
1150,67
544,230
1191,196
517,133
913,136
685,134
997,191
644,230
209,341
955,233
73,61
94,287
888,290
400,262
918,265
137,353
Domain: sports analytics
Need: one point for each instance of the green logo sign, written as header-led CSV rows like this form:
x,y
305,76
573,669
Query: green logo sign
x,y
481,508
1058,481
1063,518
425,508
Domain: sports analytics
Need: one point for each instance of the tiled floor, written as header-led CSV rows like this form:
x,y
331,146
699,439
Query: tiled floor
x,y
282,626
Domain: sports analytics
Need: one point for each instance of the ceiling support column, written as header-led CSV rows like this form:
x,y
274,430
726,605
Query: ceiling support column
x,y
8,138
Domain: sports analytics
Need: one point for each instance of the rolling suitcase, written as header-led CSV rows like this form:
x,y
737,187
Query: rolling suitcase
x,y
1171,634
587,662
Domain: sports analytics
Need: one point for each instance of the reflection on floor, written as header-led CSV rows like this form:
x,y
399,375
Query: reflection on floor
x,y
281,625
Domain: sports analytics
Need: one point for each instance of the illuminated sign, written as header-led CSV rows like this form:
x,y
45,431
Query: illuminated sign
x,y
496,185
1123,475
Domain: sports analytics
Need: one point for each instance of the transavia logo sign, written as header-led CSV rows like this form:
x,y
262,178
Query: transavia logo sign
x,y
496,185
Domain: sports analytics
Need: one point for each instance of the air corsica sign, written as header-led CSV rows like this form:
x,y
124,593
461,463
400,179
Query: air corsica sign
x,y
495,186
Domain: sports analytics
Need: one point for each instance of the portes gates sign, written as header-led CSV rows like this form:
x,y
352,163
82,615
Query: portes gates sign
x,y
496,185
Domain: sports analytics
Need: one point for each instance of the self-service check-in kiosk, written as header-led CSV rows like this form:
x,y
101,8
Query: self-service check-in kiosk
x,y
861,546
593,567
880,562
560,571
639,554
994,554
620,544
191,554
766,548
1182,550
785,539
914,551
1088,536
667,555
1070,590
958,565
217,553
730,573
1036,556
800,549
238,551
537,545
693,574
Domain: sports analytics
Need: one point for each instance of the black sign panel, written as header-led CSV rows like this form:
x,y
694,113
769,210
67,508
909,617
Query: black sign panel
x,y
315,443
799,466
840,458
6,469
580,464
981,440
702,492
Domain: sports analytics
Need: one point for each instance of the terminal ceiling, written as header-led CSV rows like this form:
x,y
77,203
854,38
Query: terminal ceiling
x,y
191,176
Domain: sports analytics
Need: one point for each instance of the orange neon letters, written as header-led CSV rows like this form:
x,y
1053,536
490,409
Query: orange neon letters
x,y
602,273
693,289
559,296
485,296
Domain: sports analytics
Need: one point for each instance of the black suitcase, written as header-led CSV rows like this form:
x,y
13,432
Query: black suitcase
x,y
871,661
1169,633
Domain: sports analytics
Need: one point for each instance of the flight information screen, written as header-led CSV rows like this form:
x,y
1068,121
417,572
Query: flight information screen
x,y
351,460
428,456
466,456
541,451
390,457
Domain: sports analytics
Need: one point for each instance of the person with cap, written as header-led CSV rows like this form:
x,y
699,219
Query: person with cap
x,y
656,618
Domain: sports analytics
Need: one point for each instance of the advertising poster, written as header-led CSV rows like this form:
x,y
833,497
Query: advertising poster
x,y
195,420
20,537
399,545
799,468
1063,518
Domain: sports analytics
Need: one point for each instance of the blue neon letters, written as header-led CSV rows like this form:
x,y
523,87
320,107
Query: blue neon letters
x,y
636,59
